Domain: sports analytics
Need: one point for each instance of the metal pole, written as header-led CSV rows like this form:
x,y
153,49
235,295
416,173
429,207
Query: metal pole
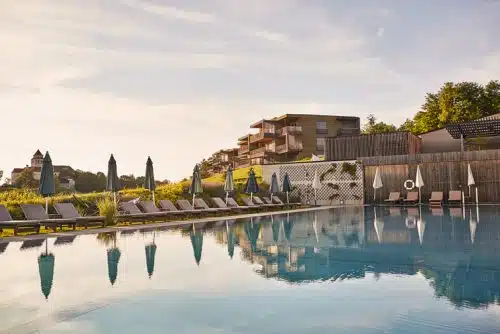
x,y
461,142
47,205
477,196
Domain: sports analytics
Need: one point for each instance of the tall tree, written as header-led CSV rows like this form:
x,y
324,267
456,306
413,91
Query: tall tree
x,y
372,126
25,179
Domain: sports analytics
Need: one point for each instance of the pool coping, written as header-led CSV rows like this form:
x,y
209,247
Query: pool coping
x,y
175,223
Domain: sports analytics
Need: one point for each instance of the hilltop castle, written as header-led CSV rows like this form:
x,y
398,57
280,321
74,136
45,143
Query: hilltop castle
x,y
64,173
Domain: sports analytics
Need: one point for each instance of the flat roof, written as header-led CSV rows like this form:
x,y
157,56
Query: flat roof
x,y
282,117
475,129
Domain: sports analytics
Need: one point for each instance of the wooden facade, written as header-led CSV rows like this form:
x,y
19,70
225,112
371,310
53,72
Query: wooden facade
x,y
378,144
440,172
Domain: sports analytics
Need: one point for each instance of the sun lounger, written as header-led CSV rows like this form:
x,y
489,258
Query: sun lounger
x,y
248,202
150,207
455,197
200,203
456,212
6,221
32,243
3,246
233,204
64,240
436,198
437,211
395,211
411,198
68,211
277,200
187,207
270,202
394,197
257,200
37,212
132,211
167,205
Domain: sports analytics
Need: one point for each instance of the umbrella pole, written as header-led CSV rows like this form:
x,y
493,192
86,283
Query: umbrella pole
x,y
227,196
153,193
114,197
194,195
251,196
419,197
47,205
477,196
287,198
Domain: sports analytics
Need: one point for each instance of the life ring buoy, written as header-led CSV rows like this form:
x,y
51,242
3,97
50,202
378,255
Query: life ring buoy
x,y
411,222
409,185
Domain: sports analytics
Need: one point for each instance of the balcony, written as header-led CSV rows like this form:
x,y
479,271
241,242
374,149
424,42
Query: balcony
x,y
289,130
261,136
322,131
295,147
260,152
243,149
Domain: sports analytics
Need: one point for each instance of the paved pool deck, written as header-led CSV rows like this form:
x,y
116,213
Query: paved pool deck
x,y
159,225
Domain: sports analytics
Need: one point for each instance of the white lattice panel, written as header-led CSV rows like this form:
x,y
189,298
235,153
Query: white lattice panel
x,y
341,182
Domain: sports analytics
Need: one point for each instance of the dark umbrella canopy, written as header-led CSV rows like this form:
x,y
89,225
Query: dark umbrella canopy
x,y
288,227
287,185
47,185
276,231
229,183
197,243
113,259
274,188
231,242
113,182
150,258
252,231
251,186
196,187
46,270
149,181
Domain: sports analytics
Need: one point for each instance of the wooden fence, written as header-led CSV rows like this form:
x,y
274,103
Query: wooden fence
x,y
440,172
377,144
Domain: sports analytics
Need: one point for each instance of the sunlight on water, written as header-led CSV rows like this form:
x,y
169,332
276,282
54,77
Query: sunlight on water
x,y
353,270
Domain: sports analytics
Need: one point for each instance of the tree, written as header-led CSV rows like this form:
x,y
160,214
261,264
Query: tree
x,y
1,174
372,126
456,103
25,179
86,182
128,181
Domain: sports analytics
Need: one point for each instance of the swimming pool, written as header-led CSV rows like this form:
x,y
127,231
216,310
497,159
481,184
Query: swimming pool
x,y
352,270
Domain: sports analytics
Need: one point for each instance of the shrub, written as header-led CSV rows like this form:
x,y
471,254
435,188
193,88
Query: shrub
x,y
107,208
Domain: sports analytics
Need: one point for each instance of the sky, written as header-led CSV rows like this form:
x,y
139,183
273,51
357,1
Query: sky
x,y
180,79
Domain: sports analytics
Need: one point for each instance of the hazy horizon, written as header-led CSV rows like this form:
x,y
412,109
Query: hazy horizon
x,y
178,80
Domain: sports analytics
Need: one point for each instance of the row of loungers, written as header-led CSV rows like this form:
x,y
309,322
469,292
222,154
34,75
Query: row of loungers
x,y
437,198
36,215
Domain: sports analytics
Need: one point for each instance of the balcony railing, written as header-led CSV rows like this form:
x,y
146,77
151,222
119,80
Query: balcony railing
x,y
243,149
290,130
261,152
261,135
280,149
322,131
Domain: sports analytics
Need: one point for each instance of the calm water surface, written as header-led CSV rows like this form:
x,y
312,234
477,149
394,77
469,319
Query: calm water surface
x,y
354,270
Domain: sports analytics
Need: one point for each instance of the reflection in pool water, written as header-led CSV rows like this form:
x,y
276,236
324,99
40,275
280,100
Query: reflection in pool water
x,y
358,270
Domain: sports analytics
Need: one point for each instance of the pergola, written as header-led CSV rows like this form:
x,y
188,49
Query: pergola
x,y
474,129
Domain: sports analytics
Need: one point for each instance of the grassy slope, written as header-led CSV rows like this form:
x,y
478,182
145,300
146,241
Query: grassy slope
x,y
240,175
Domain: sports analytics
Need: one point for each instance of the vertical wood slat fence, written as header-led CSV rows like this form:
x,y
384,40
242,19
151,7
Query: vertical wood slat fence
x,y
368,145
440,172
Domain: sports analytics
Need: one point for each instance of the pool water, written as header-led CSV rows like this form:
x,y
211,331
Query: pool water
x,y
349,270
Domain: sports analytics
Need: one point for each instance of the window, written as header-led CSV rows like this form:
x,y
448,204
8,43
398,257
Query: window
x,y
320,145
321,127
